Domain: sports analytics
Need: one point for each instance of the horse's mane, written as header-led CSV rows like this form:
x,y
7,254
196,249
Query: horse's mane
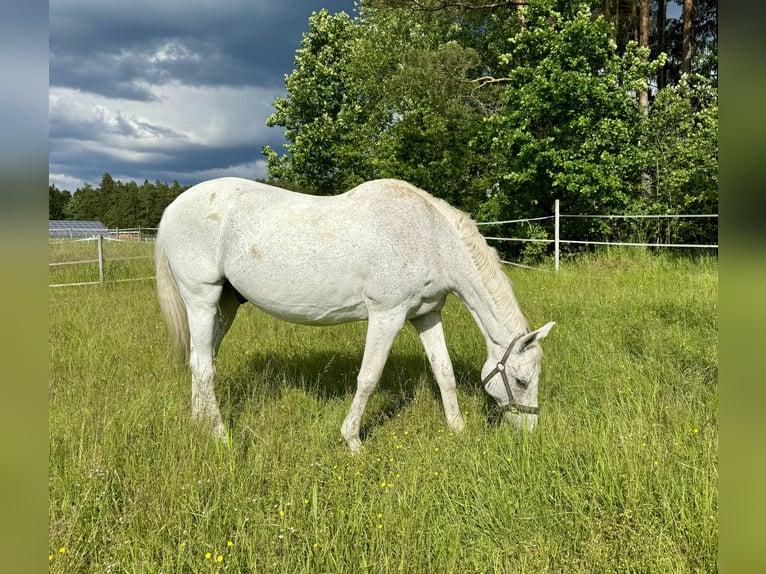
x,y
485,260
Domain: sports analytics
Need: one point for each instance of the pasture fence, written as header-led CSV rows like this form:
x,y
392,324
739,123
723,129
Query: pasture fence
x,y
142,238
117,256
558,241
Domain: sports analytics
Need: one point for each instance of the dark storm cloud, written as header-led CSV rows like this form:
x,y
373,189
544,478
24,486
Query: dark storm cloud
x,y
115,72
109,47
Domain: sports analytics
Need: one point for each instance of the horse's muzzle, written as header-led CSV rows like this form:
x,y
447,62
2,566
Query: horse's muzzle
x,y
522,421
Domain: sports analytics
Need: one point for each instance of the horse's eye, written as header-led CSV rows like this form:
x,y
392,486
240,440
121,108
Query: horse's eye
x,y
522,383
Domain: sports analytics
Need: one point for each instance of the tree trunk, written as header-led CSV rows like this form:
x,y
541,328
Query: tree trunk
x,y
643,41
635,21
661,23
687,33
643,95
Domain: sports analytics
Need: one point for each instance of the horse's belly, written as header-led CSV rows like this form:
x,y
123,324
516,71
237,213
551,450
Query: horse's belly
x,y
312,313
300,300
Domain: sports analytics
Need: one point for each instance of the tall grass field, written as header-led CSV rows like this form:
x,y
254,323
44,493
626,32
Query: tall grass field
x,y
620,475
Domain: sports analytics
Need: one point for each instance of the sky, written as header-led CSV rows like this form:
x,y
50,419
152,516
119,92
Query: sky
x,y
168,90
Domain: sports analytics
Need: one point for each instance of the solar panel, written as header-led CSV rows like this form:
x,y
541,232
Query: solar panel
x,y
60,228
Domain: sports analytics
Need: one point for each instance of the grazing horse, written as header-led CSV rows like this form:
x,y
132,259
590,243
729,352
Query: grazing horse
x,y
385,252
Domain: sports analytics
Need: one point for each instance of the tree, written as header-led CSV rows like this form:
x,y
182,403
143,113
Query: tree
x,y
449,5
319,111
84,205
622,15
382,96
661,18
124,212
704,23
432,134
571,127
691,41
107,194
643,42
146,200
683,130
694,35
57,202
687,36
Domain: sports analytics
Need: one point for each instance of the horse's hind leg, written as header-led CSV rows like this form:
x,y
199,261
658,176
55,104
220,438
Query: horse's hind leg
x,y
206,332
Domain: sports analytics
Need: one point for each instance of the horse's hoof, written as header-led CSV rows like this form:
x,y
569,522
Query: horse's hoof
x,y
355,445
456,426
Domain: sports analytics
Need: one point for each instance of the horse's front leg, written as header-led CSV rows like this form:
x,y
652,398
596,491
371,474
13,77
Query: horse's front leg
x,y
431,334
381,332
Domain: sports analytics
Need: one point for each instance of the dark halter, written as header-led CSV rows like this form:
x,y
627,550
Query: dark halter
x,y
512,405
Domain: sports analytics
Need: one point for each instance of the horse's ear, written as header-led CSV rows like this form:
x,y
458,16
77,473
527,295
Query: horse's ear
x,y
540,333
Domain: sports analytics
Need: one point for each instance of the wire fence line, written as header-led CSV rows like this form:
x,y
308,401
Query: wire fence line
x,y
480,223
594,242
616,216
134,235
58,263
645,216
514,264
557,241
630,244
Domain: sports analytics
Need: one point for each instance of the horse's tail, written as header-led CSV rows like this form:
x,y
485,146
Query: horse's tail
x,y
171,303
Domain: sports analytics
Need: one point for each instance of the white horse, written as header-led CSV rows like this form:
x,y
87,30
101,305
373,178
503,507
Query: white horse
x,y
385,251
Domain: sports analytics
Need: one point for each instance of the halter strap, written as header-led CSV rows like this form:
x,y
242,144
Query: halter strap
x,y
512,405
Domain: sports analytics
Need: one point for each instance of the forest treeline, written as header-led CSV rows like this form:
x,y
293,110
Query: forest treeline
x,y
499,107
114,203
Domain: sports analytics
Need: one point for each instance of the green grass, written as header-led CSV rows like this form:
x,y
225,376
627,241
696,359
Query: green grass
x,y
621,475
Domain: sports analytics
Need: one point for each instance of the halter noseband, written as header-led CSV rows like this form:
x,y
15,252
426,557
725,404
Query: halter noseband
x,y
512,405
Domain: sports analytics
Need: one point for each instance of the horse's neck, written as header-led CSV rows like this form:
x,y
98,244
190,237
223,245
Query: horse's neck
x,y
499,323
480,282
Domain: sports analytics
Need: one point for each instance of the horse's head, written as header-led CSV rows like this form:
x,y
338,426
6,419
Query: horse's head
x,y
511,375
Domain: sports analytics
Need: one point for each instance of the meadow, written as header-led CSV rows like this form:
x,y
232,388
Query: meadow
x,y
620,476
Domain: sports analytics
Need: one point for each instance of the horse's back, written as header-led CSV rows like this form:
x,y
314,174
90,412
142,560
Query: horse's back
x,y
387,202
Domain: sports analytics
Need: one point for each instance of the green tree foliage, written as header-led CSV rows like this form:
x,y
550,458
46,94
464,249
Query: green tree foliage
x,y
320,107
381,96
500,108
430,137
84,205
57,201
684,148
570,127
